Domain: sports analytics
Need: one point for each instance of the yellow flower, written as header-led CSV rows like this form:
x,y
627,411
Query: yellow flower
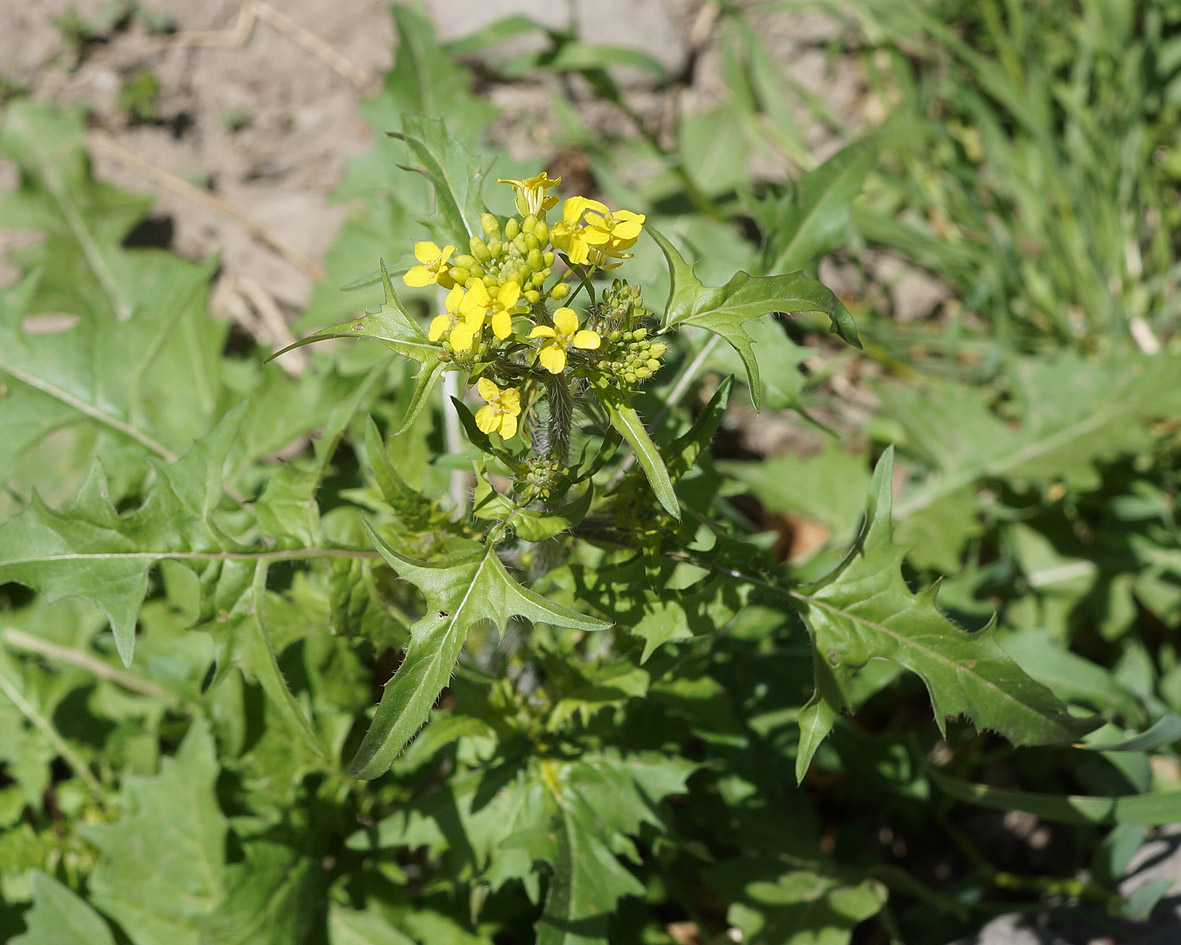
x,y
569,233
612,232
531,199
462,326
479,303
557,339
502,409
434,266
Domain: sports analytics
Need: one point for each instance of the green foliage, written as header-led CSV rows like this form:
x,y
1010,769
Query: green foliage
x,y
615,687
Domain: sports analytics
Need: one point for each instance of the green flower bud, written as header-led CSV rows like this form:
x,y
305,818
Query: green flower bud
x,y
531,244
495,249
643,373
490,225
481,250
560,291
511,228
459,275
541,231
658,350
548,257
528,224
640,334
536,263
532,296
653,365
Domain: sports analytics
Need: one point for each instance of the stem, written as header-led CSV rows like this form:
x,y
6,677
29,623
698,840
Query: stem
x,y
20,640
63,748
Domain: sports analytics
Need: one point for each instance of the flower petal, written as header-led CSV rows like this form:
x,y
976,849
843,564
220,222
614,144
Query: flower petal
x,y
566,321
587,340
552,358
542,331
462,336
438,326
508,425
502,324
426,251
508,294
487,418
510,400
454,299
488,390
418,276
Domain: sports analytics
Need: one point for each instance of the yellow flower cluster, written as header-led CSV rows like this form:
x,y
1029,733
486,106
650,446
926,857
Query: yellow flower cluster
x,y
504,275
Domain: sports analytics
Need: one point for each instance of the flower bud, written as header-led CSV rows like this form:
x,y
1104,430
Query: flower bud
x,y
653,365
560,291
548,257
528,224
512,227
480,249
532,296
541,231
658,350
459,275
643,373
640,334
490,225
536,263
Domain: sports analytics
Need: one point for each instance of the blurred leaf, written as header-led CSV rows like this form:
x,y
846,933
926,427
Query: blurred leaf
x,y
59,917
798,907
455,174
809,220
171,821
1151,809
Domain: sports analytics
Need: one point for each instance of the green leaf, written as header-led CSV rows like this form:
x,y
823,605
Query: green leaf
x,y
723,310
459,592
772,901
59,917
809,220
274,898
1073,412
391,325
350,927
92,551
863,610
171,821
599,800
681,455
1152,809
624,419
454,172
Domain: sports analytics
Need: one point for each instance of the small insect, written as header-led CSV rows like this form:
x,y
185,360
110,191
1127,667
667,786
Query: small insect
x,y
443,613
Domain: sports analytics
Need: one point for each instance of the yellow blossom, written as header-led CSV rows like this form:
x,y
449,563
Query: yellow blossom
x,y
569,233
461,324
613,232
531,199
480,303
433,266
557,339
501,412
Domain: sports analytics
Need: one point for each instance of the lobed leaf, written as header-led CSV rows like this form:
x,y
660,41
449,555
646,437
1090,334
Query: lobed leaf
x,y
863,610
724,309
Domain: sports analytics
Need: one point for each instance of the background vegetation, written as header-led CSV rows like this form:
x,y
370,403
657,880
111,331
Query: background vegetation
x,y
1023,160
